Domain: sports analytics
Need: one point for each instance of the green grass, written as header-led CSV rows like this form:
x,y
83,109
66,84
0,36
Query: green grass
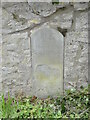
x,y
73,104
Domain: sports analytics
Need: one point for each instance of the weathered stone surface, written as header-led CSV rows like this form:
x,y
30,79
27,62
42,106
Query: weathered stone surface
x,y
47,58
0,49
15,49
77,36
76,60
61,4
17,17
42,8
8,2
81,6
16,62
63,21
82,21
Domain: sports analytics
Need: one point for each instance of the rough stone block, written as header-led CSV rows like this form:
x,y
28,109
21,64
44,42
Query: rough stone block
x,y
81,5
16,62
82,21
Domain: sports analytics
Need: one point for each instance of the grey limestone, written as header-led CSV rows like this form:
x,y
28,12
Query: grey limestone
x,y
26,54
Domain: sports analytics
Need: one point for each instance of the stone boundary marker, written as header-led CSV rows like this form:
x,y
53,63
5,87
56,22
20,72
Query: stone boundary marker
x,y
47,62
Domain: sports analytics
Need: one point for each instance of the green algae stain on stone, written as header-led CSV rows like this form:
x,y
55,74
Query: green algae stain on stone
x,y
47,62
44,72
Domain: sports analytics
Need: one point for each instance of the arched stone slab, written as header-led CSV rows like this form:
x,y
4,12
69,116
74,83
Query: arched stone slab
x,y
47,62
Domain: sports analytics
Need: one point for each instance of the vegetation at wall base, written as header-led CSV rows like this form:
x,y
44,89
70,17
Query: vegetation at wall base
x,y
55,2
73,104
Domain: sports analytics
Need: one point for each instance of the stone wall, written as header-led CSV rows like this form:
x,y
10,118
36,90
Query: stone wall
x,y
20,20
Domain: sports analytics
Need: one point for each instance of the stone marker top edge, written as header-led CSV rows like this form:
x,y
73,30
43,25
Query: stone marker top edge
x,y
47,27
